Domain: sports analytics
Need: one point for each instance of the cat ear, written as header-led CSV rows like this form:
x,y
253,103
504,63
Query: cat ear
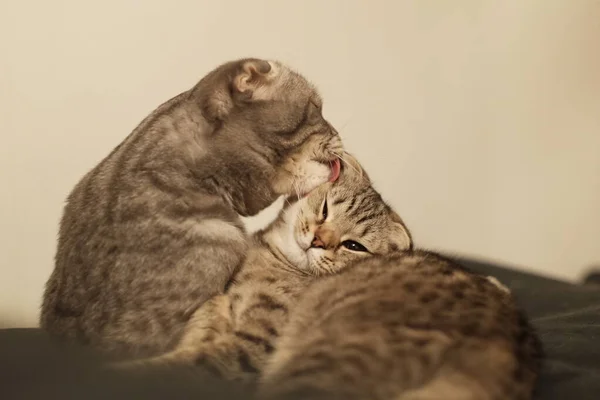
x,y
351,169
241,79
400,239
253,75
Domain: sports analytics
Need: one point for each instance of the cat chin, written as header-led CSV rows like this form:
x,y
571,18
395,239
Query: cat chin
x,y
313,256
288,241
313,175
293,216
295,255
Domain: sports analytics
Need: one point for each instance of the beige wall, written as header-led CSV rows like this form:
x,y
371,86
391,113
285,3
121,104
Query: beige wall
x,y
478,120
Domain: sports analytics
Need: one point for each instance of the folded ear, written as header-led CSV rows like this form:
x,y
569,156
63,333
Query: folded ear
x,y
253,75
400,237
240,79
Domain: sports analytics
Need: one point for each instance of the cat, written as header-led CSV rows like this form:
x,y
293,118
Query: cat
x,y
154,229
407,326
338,223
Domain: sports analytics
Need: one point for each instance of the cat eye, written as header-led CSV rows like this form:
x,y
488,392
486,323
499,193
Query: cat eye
x,y
324,211
354,246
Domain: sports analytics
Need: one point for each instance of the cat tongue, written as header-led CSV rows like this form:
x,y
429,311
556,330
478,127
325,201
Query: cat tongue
x,y
333,176
335,170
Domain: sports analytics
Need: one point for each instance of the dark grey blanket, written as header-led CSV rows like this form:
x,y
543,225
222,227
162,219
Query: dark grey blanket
x,y
33,366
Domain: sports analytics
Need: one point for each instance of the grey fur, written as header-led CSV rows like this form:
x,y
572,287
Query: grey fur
x,y
236,332
154,230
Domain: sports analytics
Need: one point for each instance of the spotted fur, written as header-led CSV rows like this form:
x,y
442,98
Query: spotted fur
x,y
316,236
411,326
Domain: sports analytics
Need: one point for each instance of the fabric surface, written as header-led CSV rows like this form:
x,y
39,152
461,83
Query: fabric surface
x,y
567,316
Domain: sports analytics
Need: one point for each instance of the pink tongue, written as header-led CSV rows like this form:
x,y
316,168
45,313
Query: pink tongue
x,y
335,170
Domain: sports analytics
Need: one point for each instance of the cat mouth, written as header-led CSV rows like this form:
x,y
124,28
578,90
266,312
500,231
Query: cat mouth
x,y
335,169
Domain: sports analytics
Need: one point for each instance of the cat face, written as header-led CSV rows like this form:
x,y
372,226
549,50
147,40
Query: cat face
x,y
268,125
340,223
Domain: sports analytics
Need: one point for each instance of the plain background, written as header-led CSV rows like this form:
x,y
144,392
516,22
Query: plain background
x,y
479,121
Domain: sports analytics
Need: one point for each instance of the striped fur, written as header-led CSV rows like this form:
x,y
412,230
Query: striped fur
x,y
236,332
412,326
154,229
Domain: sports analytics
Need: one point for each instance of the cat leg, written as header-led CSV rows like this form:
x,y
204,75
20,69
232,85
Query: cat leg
x,y
209,342
232,354
207,326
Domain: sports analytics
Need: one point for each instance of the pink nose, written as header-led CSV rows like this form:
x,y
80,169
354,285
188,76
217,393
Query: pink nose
x,y
317,243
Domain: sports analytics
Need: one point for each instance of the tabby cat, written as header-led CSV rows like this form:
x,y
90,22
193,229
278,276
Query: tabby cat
x,y
407,326
315,236
154,230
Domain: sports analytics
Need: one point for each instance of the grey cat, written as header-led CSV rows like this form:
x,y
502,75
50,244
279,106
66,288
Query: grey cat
x,y
411,326
154,230
336,224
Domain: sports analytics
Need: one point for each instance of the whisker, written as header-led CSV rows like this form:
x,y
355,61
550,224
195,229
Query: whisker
x,y
301,189
323,266
286,201
284,211
295,184
345,124
350,165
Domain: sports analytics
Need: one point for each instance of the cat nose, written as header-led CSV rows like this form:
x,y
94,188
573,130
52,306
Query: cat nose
x,y
317,243
325,238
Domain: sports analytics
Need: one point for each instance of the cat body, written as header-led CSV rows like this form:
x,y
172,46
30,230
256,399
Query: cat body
x,y
236,332
154,230
409,326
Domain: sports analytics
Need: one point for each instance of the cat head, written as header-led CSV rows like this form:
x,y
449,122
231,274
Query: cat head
x,y
267,130
338,223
